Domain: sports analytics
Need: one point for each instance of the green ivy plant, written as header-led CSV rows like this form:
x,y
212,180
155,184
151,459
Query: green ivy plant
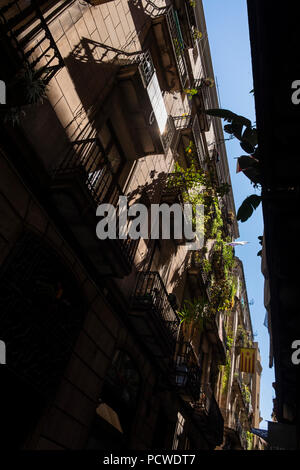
x,y
246,393
226,372
198,188
243,337
249,438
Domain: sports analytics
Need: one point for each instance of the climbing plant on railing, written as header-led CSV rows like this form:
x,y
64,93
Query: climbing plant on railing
x,y
198,188
246,393
226,371
243,338
249,438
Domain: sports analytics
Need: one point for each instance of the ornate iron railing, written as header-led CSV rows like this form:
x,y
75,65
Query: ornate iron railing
x,y
28,32
177,43
188,374
241,432
191,122
87,160
146,67
190,11
206,277
169,134
151,295
206,96
208,409
147,71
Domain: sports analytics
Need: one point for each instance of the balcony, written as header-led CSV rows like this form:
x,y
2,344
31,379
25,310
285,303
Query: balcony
x,y
202,101
238,386
142,116
166,44
187,374
153,315
187,18
198,278
209,417
189,129
241,433
82,181
217,334
26,40
234,430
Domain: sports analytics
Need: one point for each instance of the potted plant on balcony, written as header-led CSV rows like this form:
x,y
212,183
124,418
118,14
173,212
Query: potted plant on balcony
x,y
26,89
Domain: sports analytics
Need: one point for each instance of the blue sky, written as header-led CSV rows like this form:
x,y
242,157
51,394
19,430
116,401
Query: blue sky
x,y
228,34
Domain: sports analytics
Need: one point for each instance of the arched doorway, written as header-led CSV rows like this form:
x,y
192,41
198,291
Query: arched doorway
x,y
41,314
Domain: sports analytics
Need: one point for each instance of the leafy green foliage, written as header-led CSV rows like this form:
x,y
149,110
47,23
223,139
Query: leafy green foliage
x,y
193,311
206,265
249,438
191,92
243,337
250,136
34,86
198,188
229,116
226,372
251,168
260,238
248,148
248,206
246,393
241,128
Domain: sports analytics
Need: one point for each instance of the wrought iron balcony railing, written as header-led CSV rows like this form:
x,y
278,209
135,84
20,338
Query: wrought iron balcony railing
x,y
198,268
246,400
188,374
203,101
208,415
190,13
177,43
151,111
206,93
87,163
151,296
24,25
186,14
148,74
87,158
189,122
241,433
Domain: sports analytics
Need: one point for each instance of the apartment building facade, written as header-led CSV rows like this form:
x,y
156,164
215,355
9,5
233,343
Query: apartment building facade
x,y
238,388
94,342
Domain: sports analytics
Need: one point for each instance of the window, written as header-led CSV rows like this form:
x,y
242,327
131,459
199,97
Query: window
x,y
111,147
